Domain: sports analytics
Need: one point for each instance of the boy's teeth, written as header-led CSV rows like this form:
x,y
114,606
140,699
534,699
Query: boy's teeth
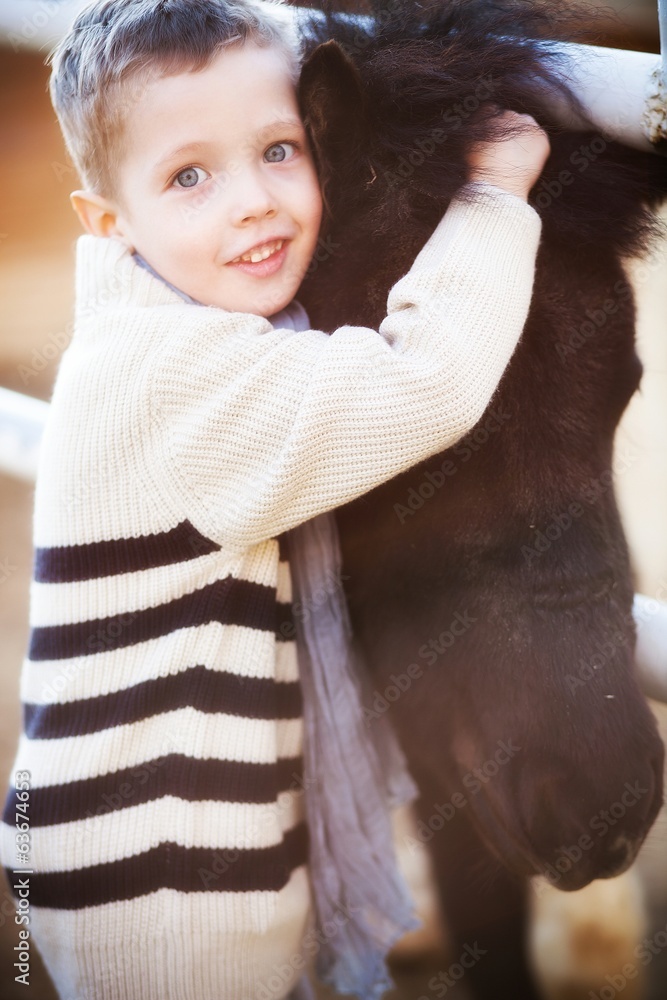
x,y
257,255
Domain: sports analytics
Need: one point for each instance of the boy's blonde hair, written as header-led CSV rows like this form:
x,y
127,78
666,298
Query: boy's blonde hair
x,y
114,47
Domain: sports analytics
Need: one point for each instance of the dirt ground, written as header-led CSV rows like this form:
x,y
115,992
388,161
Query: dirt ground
x,y
37,232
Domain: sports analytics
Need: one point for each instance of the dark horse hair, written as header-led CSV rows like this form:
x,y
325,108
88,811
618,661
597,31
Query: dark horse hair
x,y
502,590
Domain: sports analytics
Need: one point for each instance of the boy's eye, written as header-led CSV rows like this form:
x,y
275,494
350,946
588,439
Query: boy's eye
x,y
280,151
189,177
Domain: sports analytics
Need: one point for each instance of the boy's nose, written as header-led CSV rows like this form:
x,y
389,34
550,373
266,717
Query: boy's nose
x,y
252,200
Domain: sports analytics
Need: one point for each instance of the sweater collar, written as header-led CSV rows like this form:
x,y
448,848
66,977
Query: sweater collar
x,y
107,276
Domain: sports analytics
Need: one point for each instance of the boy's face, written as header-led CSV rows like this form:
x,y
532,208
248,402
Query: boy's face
x,y
217,187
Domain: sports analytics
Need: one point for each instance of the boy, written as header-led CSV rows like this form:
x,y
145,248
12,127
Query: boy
x,y
196,418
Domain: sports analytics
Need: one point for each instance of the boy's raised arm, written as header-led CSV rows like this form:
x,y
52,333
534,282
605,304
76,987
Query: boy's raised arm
x,y
258,430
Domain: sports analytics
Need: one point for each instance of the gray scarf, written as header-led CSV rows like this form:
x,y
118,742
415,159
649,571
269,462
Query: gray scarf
x,y
357,774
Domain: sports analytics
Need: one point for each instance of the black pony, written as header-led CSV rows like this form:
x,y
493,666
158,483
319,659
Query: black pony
x,y
490,586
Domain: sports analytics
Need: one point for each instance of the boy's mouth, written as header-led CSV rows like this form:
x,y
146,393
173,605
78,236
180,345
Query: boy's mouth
x,y
259,253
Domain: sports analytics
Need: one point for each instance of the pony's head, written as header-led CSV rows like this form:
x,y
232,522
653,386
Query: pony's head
x,y
540,688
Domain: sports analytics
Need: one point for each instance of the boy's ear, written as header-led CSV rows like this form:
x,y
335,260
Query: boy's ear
x,y
332,103
98,215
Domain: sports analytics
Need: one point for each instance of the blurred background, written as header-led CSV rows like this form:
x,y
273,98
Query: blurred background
x,y
37,234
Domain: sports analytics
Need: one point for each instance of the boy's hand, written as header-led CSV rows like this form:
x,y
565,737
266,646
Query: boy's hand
x,y
515,159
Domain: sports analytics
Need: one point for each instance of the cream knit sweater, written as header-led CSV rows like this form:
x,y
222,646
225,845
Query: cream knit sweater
x,y
162,715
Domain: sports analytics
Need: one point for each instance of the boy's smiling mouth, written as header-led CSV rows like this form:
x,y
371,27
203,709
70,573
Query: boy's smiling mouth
x,y
264,259
260,252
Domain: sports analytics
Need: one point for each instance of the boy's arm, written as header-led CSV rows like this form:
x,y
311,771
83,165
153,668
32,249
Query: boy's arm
x,y
257,430
611,84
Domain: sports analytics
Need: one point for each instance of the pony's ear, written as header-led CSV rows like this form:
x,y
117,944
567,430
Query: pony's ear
x,y
332,105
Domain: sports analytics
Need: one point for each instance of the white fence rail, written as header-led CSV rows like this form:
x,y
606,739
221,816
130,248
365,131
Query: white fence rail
x,y
22,421
38,24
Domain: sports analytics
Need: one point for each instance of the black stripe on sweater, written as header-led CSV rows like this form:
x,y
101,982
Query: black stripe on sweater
x,y
198,687
171,866
172,774
71,563
230,601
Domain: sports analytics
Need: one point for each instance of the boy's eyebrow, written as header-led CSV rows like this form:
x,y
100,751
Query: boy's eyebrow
x,y
277,124
173,154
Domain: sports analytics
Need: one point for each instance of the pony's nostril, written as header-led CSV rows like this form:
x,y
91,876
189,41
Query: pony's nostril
x,y
619,856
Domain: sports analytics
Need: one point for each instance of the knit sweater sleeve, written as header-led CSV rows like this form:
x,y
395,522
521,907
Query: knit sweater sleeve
x,y
256,430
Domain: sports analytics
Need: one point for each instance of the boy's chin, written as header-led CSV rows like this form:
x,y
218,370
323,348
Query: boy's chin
x,y
269,306
263,297
258,304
